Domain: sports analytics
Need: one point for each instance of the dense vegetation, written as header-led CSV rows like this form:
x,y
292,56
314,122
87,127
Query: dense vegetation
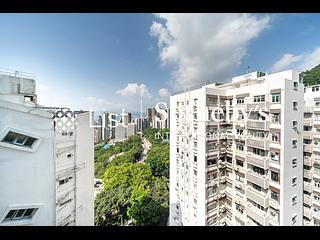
x,y
312,76
132,150
137,191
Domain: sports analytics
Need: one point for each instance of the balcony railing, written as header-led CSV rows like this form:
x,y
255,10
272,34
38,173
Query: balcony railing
x,y
258,143
307,122
261,180
308,109
258,215
307,173
307,134
258,124
211,153
307,199
257,105
308,148
307,213
258,161
307,187
307,161
260,198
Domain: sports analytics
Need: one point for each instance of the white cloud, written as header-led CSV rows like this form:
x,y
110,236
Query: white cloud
x,y
286,61
302,62
204,47
134,89
163,92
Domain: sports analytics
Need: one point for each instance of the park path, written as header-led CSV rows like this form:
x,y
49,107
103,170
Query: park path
x,y
146,147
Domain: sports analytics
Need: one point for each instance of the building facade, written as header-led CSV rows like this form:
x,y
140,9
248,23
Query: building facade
x,y
46,176
236,152
311,171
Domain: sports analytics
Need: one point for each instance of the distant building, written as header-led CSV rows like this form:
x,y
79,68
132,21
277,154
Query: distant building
x,y
120,133
98,130
131,129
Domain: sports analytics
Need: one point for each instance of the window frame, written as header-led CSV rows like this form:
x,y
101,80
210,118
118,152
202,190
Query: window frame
x,y
31,148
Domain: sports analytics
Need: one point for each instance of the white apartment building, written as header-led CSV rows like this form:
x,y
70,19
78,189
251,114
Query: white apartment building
x,y
253,173
311,135
46,176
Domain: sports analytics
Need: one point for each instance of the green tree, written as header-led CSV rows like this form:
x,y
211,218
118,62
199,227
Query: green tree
x,y
158,160
312,76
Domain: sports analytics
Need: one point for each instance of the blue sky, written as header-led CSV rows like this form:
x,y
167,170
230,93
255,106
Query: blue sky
x,y
88,60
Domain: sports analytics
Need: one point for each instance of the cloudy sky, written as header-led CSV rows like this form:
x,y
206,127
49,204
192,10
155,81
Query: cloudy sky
x,y
111,61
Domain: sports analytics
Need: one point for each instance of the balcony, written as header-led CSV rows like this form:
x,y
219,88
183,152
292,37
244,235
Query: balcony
x,y
258,197
307,135
251,223
307,161
212,198
261,180
239,215
307,122
212,213
258,215
307,187
307,148
307,173
258,124
257,106
258,161
308,109
258,143
307,213
211,153
212,168
307,199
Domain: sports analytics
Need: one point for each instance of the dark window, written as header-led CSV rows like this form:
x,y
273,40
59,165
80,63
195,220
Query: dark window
x,y
19,139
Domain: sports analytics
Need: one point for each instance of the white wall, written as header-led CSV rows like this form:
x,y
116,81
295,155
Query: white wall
x,y
28,178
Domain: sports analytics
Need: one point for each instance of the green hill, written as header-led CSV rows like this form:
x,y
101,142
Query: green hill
x,y
312,76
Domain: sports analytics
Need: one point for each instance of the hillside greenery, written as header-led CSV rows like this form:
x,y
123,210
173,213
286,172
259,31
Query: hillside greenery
x,y
312,76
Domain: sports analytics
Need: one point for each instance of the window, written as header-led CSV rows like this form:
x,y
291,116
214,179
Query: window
x,y
195,158
294,181
275,137
239,178
295,86
276,97
276,118
294,219
315,89
177,150
275,176
294,162
69,155
211,207
239,163
240,100
19,139
294,200
212,191
294,124
294,143
275,156
295,105
275,196
259,98
63,181
274,213
19,214
239,208
239,147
